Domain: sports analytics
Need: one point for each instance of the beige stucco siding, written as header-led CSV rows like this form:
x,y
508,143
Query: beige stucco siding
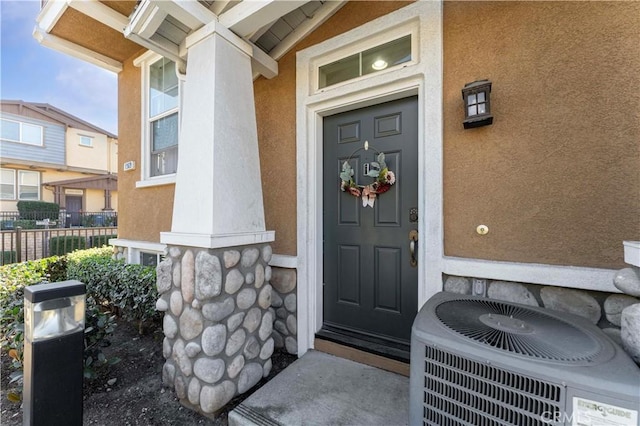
x,y
96,156
143,212
556,177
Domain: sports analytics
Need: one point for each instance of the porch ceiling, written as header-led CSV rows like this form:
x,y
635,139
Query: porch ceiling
x,y
109,32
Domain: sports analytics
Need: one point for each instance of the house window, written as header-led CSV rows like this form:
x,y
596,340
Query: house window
x,y
163,117
368,61
7,184
148,259
15,131
86,141
28,185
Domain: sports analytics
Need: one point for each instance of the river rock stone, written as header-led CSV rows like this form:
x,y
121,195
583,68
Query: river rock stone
x,y
281,327
174,252
259,275
209,370
266,368
234,321
193,391
282,313
213,398
166,348
266,326
267,273
168,373
208,275
252,320
196,304
249,278
214,339
191,323
177,274
267,349
234,281
192,349
278,340
511,292
188,282
264,298
614,306
169,326
276,300
630,331
573,301
175,303
231,258
235,366
163,276
181,358
458,285
249,377
627,280
283,280
246,298
249,257
217,311
251,348
267,253
291,345
292,324
235,342
290,302
180,387
162,305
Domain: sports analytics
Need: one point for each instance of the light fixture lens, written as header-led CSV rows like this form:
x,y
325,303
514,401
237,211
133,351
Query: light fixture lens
x,y
379,65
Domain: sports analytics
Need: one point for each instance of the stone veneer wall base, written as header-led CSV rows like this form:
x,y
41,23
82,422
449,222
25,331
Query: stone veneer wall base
x,y
218,322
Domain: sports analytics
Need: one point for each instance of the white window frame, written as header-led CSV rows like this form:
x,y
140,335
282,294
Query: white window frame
x,y
13,197
21,132
144,62
19,184
87,138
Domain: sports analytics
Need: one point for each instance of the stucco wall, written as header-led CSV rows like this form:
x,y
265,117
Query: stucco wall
x,y
95,157
556,177
143,212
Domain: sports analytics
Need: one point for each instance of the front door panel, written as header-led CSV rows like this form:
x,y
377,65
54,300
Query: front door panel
x,y
370,285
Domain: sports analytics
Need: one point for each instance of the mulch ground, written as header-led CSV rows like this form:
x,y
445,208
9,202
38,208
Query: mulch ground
x,y
131,391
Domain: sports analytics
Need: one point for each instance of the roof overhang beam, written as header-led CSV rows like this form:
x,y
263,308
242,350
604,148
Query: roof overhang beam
x,y
247,17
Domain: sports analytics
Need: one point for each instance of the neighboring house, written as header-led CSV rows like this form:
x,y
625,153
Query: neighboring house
x,y
236,119
50,155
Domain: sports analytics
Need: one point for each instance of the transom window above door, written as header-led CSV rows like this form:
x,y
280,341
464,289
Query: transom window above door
x,y
368,61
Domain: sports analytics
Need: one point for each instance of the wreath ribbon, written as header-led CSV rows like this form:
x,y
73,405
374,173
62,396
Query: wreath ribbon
x,y
384,179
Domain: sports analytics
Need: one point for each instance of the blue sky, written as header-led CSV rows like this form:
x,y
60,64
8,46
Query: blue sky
x,y
34,73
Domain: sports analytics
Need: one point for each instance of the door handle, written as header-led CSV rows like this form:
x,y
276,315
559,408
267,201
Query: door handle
x,y
413,239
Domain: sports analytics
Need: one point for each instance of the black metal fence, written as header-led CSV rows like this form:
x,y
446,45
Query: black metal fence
x,y
18,245
65,219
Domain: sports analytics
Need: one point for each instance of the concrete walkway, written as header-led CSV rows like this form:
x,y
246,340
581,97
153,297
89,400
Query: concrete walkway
x,y
321,389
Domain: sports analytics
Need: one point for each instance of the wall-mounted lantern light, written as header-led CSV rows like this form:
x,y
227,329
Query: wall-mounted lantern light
x,y
477,104
54,317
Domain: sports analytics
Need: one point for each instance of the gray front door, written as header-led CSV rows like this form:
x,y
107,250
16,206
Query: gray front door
x,y
74,207
370,281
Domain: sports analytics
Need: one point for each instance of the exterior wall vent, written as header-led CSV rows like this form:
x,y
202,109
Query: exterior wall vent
x,y
476,361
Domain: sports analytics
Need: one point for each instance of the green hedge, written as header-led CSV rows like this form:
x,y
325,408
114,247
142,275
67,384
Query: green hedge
x,y
62,245
100,240
8,256
38,210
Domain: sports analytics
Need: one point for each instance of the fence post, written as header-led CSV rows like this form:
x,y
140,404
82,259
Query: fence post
x,y
19,244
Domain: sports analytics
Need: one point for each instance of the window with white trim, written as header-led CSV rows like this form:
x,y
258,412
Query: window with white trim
x,y
7,184
86,141
162,117
16,131
28,185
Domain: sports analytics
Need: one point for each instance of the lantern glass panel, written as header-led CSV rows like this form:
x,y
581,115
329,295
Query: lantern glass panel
x,y
52,318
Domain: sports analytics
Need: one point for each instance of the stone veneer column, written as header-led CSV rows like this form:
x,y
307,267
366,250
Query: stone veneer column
x,y
217,322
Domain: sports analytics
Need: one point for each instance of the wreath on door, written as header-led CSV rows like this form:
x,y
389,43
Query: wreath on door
x,y
384,179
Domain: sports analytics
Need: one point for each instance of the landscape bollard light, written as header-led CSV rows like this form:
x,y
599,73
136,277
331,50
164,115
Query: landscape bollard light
x,y
54,317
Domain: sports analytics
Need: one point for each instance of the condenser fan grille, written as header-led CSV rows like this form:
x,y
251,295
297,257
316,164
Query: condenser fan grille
x,y
518,329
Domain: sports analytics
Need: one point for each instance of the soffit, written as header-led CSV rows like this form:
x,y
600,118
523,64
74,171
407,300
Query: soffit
x,y
124,7
84,31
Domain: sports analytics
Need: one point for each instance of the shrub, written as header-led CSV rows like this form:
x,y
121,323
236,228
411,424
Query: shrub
x,y
100,240
128,290
38,210
59,246
8,256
